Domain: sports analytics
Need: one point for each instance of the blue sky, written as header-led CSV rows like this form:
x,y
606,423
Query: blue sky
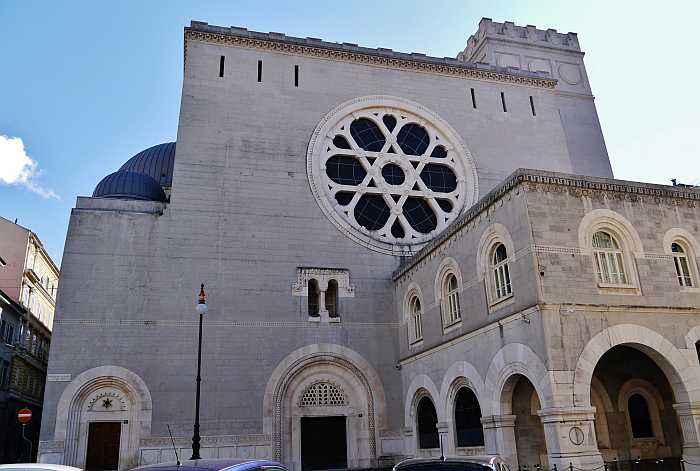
x,y
85,85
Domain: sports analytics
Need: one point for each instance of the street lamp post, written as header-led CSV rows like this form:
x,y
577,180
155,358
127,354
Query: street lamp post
x,y
201,309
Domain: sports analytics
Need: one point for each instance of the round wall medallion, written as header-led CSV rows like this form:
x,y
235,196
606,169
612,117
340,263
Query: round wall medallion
x,y
570,73
389,173
576,435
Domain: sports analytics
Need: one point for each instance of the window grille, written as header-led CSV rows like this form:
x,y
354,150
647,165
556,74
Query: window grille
x,y
609,262
451,292
323,394
680,260
501,275
416,319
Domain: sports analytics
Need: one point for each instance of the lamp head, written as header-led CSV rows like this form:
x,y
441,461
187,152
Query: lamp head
x,y
202,304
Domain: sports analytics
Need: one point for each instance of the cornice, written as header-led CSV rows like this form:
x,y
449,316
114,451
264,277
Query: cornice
x,y
352,53
547,179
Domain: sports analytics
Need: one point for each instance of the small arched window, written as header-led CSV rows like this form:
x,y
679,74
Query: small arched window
x,y
332,298
609,260
680,260
313,298
416,319
468,426
501,274
427,424
451,312
640,419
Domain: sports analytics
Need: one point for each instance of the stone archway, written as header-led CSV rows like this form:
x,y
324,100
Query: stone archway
x,y
324,365
106,394
675,368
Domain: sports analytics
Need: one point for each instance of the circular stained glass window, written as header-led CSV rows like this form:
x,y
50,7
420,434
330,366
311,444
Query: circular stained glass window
x,y
389,173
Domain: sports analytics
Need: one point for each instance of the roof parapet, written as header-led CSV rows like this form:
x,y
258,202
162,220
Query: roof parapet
x,y
529,34
352,52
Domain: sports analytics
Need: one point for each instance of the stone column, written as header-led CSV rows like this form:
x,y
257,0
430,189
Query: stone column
x,y
570,436
443,429
499,437
689,420
322,311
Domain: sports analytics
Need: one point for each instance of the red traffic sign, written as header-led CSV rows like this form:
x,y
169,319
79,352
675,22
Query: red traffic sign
x,y
24,415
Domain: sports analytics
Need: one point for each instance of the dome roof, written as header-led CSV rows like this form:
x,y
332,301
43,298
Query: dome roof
x,y
129,185
156,162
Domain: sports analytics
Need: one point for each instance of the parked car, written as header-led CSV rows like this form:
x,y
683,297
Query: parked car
x,y
36,467
459,463
216,465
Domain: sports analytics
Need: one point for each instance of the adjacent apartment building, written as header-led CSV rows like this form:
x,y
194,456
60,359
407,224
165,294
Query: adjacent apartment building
x,y
28,284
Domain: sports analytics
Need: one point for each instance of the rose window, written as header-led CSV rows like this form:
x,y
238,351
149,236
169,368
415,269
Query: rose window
x,y
394,176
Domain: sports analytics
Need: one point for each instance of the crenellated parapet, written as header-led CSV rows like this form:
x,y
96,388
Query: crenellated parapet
x,y
521,34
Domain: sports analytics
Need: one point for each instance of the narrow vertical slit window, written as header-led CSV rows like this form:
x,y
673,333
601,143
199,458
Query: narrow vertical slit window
x,y
532,106
222,59
259,71
473,99
296,75
503,102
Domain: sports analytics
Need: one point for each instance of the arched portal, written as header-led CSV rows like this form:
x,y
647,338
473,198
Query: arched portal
x,y
520,399
101,417
642,422
323,407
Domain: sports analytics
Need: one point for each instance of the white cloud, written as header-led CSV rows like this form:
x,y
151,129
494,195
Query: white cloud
x,y
17,168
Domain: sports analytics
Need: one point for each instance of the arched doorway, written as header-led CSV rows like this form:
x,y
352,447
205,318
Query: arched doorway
x,y
520,399
467,420
101,417
426,424
642,423
323,407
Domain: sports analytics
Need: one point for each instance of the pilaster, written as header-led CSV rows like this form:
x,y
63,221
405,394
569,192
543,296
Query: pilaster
x,y
689,420
570,436
499,437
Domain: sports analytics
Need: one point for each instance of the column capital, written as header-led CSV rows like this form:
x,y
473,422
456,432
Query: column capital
x,y
566,414
687,408
498,421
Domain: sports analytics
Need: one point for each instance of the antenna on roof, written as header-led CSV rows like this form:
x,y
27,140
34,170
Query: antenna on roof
x,y
177,458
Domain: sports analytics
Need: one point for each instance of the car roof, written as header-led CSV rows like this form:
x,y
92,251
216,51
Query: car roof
x,y
211,464
485,460
55,467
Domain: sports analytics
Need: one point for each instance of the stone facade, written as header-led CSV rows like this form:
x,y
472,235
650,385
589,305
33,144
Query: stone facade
x,y
318,190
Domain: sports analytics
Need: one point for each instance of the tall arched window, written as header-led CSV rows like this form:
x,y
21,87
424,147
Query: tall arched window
x,y
450,292
501,275
427,424
332,298
416,319
680,260
313,298
609,260
468,419
640,419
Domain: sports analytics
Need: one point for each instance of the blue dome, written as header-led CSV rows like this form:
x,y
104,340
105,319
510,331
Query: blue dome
x,y
156,162
129,185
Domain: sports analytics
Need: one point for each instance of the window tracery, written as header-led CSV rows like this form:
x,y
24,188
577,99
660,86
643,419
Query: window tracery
x,y
323,394
390,178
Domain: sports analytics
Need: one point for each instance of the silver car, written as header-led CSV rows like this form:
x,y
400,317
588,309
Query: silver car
x,y
457,463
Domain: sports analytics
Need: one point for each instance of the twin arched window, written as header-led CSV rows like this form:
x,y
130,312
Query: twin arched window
x,y
682,264
416,319
501,275
450,295
330,298
609,259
